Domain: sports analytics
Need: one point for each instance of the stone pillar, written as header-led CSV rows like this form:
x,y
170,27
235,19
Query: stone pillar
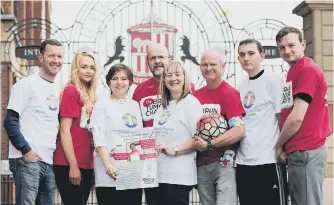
x,y
318,33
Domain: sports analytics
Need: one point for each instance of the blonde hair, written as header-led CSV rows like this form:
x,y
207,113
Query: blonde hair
x,y
165,94
87,93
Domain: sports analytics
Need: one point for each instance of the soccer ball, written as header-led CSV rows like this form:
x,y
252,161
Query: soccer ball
x,y
211,126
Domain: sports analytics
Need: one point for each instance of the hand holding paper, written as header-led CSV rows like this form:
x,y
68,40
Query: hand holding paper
x,y
111,171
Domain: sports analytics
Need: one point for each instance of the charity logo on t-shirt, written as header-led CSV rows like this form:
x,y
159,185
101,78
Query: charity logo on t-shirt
x,y
209,108
149,106
52,102
130,120
249,99
287,99
164,117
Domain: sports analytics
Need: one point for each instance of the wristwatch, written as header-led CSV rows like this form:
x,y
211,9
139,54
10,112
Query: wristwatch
x,y
210,145
176,150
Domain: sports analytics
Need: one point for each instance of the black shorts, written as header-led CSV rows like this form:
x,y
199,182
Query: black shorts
x,y
262,184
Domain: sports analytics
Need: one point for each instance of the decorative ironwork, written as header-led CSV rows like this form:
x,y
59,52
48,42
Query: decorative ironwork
x,y
21,35
186,30
265,30
121,31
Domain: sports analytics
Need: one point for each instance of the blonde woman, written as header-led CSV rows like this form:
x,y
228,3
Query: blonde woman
x,y
73,158
175,126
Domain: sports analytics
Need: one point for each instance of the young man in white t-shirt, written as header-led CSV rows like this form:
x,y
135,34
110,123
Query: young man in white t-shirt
x,y
31,124
261,180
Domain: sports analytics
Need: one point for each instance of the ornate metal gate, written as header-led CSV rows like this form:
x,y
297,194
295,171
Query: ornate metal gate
x,y
120,31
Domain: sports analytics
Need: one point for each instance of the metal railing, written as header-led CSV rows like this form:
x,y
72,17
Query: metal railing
x,y
8,194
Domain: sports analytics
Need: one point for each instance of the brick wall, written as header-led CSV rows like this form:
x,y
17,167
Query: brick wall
x,y
21,10
5,88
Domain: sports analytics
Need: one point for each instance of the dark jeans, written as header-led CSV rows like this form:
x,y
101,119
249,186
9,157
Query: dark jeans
x,y
173,194
111,196
73,194
34,182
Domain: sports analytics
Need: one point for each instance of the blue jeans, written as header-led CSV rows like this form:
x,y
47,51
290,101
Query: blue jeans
x,y
34,182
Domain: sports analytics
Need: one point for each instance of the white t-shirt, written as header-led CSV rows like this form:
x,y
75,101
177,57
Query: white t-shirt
x,y
261,98
109,115
37,102
175,126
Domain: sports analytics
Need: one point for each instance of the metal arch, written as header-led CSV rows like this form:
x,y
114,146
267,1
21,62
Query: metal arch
x,y
258,25
222,20
81,14
21,26
77,26
191,14
25,25
228,22
108,18
230,38
79,23
259,22
188,11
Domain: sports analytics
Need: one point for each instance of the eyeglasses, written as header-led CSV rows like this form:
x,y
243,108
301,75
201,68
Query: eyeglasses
x,y
154,58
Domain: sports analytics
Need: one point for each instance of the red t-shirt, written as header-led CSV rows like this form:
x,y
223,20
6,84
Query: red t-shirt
x,y
226,101
306,77
146,95
70,107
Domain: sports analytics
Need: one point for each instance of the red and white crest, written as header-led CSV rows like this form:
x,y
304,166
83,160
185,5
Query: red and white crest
x,y
151,30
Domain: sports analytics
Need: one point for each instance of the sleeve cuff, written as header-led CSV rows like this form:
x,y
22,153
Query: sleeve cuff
x,y
25,149
99,137
304,96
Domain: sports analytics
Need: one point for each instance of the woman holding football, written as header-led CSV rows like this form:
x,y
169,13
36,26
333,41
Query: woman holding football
x,y
175,126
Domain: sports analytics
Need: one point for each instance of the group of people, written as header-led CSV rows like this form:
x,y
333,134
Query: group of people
x,y
54,133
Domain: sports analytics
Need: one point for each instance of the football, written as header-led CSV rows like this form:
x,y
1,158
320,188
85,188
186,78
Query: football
x,y
211,126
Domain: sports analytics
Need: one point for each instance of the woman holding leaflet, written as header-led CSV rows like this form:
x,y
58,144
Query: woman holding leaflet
x,y
108,115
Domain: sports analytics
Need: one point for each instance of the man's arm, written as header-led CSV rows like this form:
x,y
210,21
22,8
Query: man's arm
x,y
235,134
293,122
12,127
230,137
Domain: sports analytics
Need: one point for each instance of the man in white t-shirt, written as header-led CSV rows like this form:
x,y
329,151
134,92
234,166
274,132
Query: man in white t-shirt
x,y
261,180
31,124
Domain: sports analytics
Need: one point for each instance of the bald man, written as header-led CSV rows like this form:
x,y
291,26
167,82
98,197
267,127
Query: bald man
x,y
216,157
146,92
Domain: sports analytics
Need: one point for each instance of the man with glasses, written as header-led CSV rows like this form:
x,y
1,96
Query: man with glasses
x,y
146,92
146,95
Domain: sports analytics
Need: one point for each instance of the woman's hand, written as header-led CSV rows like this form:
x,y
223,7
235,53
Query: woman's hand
x,y
111,171
163,148
75,175
89,109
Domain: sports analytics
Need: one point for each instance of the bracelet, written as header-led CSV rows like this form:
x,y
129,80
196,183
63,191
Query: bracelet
x,y
210,145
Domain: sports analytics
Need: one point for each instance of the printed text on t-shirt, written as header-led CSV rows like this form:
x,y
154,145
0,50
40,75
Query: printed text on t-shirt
x,y
287,100
149,107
